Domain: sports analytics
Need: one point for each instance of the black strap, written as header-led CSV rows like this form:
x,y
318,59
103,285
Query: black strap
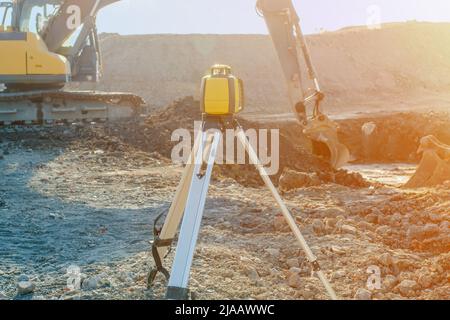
x,y
159,267
158,243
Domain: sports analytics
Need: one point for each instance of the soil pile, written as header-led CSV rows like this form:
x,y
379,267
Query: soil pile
x,y
397,66
393,138
403,137
295,153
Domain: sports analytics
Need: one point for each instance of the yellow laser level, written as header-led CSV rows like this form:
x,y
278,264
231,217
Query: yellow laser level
x,y
222,92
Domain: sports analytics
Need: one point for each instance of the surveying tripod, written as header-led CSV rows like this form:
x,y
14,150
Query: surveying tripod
x,y
189,203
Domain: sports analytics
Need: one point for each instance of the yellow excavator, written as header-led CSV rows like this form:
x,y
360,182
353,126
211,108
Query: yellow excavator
x,y
46,44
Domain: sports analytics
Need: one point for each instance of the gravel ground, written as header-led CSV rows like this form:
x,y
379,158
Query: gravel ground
x,y
66,203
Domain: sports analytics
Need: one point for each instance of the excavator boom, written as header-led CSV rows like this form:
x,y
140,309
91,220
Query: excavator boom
x,y
283,24
71,15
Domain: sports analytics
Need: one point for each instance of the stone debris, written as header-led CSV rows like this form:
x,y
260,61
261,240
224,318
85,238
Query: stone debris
x,y
280,224
253,275
422,232
425,281
386,260
407,287
274,253
25,287
363,294
318,226
348,229
295,281
95,282
292,263
389,282
290,180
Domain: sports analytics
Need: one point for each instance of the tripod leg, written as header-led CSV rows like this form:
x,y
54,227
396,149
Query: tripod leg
x,y
164,239
287,215
176,210
190,227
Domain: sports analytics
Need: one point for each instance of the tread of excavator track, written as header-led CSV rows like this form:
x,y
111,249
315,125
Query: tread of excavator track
x,y
48,106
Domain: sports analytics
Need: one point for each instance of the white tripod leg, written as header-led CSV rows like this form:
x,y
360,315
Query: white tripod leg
x,y
190,227
287,215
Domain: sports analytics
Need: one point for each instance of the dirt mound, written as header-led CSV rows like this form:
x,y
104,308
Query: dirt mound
x,y
394,67
294,151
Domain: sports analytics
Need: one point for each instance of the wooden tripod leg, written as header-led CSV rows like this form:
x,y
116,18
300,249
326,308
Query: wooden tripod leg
x,y
287,215
176,210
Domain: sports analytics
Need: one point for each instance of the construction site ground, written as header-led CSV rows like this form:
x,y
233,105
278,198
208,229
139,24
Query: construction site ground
x,y
87,195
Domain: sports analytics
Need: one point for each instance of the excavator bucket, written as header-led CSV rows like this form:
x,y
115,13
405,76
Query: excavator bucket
x,y
434,168
323,130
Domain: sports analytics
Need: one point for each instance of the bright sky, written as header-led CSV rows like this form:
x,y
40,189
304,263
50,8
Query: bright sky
x,y
238,16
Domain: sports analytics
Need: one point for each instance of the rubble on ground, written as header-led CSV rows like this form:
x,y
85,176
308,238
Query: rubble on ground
x,y
116,178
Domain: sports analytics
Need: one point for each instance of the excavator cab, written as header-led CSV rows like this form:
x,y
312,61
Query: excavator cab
x,y
37,53
24,58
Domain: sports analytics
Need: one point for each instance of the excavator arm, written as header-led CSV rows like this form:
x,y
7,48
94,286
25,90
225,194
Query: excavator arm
x,y
77,17
72,14
283,24
284,27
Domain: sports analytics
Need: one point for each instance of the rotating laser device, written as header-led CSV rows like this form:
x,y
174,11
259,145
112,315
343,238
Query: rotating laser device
x,y
222,92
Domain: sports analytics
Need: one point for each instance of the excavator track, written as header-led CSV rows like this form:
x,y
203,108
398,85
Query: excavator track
x,y
55,106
